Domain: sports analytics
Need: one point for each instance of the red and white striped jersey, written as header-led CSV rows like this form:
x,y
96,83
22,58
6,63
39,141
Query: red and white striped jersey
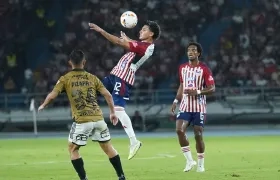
x,y
194,77
138,53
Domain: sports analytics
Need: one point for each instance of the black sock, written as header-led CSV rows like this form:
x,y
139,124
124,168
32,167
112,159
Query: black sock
x,y
78,164
116,162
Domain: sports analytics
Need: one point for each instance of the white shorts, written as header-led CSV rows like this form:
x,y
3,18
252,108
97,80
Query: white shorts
x,y
80,133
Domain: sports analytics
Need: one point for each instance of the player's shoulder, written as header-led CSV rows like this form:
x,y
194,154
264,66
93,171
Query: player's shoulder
x,y
142,44
204,66
93,77
183,65
68,75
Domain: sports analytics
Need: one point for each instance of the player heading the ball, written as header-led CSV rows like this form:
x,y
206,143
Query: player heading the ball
x,y
196,82
122,77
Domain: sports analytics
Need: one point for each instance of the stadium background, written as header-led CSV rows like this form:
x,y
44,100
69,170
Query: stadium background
x,y
239,38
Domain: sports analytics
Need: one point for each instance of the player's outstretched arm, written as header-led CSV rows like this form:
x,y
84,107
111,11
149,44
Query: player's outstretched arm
x,y
114,39
50,97
58,88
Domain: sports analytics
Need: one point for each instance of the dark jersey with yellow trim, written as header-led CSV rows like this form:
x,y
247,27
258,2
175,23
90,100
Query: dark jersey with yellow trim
x,y
81,88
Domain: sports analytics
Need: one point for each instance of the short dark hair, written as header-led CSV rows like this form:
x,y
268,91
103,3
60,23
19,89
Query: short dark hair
x,y
154,27
77,56
198,46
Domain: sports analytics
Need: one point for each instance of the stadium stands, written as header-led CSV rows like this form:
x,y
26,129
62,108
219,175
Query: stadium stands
x,y
241,42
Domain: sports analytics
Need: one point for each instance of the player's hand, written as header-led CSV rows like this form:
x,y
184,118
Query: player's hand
x,y
114,119
190,92
133,67
173,108
95,27
124,37
41,107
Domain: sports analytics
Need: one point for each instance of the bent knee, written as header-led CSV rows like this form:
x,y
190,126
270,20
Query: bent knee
x,y
198,132
179,131
72,147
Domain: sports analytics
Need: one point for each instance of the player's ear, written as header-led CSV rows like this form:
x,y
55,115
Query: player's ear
x,y
84,62
70,63
151,34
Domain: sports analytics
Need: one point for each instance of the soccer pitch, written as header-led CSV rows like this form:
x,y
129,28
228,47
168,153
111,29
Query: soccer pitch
x,y
242,158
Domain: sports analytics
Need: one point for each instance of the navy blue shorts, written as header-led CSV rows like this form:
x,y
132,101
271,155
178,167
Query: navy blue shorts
x,y
118,88
194,118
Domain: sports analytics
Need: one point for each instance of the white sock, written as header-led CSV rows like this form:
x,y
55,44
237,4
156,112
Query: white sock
x,y
187,153
126,123
200,159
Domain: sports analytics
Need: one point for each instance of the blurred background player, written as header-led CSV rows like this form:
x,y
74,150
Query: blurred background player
x,y
121,78
196,82
81,88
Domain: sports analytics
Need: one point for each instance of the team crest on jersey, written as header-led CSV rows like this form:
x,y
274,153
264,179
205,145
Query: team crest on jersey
x,y
198,71
124,63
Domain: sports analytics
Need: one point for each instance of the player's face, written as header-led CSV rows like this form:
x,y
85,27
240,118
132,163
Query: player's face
x,y
145,33
192,53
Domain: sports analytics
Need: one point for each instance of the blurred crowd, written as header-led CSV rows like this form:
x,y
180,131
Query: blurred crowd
x,y
247,53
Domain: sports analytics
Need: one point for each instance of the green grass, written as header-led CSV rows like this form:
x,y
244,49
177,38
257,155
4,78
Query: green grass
x,y
241,158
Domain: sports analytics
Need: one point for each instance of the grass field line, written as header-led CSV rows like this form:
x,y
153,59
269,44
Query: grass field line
x,y
158,156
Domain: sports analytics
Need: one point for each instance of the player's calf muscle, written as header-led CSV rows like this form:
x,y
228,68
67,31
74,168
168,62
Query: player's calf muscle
x,y
200,147
108,149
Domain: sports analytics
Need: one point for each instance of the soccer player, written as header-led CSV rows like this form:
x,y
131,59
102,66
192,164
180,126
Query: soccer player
x,y
196,82
81,88
121,78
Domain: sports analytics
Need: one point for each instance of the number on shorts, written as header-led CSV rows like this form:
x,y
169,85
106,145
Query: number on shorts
x,y
178,114
105,133
81,137
201,116
117,87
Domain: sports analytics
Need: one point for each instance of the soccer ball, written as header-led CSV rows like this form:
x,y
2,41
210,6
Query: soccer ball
x,y
129,19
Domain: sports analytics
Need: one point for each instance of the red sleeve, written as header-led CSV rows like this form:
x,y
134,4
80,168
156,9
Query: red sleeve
x,y
208,78
180,74
138,47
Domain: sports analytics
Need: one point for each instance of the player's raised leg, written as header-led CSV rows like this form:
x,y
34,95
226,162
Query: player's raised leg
x,y
120,95
200,146
78,138
127,125
102,135
182,123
